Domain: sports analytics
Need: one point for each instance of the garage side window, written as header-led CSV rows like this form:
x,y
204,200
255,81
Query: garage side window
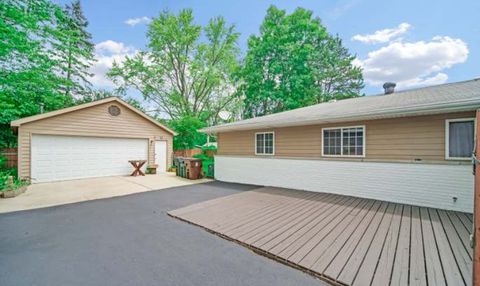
x,y
264,143
459,139
343,141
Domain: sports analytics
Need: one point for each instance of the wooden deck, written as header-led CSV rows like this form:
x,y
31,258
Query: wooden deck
x,y
344,240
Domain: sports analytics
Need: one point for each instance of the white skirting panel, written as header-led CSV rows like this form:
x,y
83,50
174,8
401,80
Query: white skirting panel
x,y
430,185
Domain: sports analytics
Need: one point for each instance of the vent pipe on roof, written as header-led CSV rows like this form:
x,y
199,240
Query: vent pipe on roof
x,y
389,87
42,107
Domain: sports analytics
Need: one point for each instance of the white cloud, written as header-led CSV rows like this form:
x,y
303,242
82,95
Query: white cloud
x,y
383,36
112,47
106,53
342,8
413,63
136,21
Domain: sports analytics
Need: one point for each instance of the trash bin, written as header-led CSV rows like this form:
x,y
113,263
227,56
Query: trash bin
x,y
180,167
193,168
207,166
211,170
176,163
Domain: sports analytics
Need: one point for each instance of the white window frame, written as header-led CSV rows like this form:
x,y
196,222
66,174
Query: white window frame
x,y
273,143
341,142
447,137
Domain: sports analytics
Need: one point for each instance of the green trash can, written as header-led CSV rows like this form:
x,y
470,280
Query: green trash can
x,y
208,167
181,167
176,163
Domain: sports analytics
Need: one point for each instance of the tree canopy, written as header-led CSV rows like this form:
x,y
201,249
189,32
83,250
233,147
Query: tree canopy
x,y
187,70
28,65
75,50
45,54
295,62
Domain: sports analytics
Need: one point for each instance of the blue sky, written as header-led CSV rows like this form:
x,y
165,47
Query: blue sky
x,y
413,43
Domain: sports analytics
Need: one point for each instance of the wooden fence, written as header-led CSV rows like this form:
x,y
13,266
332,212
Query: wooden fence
x,y
187,152
12,156
191,152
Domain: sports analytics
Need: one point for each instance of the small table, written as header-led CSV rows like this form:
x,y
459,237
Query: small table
x,y
137,164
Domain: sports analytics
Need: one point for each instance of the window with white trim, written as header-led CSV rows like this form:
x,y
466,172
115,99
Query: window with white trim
x,y
459,138
264,143
344,141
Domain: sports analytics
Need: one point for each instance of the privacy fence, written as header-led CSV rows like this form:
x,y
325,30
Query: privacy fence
x,y
12,156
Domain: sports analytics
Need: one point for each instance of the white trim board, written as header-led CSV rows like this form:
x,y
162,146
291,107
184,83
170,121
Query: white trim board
x,y
430,185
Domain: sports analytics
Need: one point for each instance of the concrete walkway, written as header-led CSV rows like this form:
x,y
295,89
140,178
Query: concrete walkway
x,y
67,192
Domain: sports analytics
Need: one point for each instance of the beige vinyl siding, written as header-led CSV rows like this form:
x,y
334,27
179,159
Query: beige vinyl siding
x,y
409,138
93,121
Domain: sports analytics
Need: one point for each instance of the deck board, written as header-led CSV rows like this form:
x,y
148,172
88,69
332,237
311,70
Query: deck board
x,y
367,268
280,220
339,252
277,248
433,265
384,268
400,273
418,274
345,240
350,269
451,271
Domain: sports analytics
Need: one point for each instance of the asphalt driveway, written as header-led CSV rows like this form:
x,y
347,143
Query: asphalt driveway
x,y
131,240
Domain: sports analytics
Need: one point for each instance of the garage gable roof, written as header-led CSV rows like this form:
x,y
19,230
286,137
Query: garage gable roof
x,y
18,122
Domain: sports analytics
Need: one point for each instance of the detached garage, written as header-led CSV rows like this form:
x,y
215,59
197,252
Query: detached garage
x,y
90,140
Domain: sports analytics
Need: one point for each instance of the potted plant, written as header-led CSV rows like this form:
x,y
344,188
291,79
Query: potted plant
x,y
152,169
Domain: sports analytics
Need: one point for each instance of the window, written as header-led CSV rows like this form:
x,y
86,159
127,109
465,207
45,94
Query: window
x,y
264,143
344,141
459,138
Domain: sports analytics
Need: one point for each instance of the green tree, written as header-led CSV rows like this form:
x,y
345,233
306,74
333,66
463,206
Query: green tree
x,y
295,62
75,50
98,94
29,77
188,136
187,70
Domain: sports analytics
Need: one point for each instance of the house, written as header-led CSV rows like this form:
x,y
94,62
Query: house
x,y
411,147
90,140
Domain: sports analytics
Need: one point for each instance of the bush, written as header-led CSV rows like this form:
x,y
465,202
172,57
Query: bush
x,y
4,184
188,136
5,173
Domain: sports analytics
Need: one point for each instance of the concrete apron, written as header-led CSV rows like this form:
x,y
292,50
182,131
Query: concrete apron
x,y
73,191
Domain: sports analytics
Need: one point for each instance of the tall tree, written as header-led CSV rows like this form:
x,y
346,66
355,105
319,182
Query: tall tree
x,y
187,70
75,50
28,75
295,62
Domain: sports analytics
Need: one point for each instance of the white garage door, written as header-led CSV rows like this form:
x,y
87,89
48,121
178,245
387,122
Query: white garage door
x,y
68,157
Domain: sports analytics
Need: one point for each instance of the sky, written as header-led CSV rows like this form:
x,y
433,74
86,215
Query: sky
x,y
413,43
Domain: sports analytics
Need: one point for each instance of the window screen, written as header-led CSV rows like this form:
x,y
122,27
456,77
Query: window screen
x,y
460,139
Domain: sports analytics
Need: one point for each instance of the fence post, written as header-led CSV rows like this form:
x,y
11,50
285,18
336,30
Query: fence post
x,y
476,208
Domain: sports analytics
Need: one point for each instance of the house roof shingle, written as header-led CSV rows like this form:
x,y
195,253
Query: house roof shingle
x,y
451,97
